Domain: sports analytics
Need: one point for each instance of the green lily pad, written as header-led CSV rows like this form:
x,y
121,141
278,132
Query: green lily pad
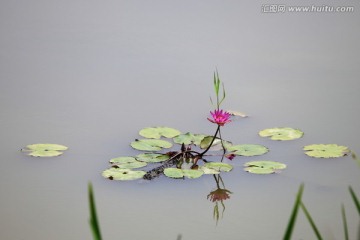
x,y
281,134
120,160
326,150
130,165
173,172
180,173
152,157
122,174
218,166
216,145
150,144
189,138
44,149
127,162
157,132
208,170
259,170
248,150
263,167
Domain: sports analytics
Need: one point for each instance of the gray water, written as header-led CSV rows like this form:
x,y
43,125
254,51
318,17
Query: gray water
x,y
90,75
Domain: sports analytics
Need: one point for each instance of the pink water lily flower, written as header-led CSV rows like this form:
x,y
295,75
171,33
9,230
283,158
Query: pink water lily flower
x,y
220,117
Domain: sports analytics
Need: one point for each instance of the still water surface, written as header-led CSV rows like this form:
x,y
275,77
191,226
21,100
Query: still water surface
x,y
91,75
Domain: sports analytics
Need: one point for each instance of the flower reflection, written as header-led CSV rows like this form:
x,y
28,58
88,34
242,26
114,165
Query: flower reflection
x,y
219,196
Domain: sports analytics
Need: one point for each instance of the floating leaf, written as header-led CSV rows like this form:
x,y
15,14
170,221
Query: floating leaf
x,y
189,138
237,113
150,144
152,157
180,173
216,145
248,150
192,173
282,134
120,160
218,166
173,172
44,149
208,170
122,174
263,167
326,150
130,165
157,132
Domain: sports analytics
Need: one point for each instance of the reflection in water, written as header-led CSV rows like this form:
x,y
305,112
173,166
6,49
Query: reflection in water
x,y
219,196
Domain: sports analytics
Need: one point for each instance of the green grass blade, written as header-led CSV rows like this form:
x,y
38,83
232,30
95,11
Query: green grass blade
x,y
312,223
355,199
356,159
94,224
346,232
291,224
216,83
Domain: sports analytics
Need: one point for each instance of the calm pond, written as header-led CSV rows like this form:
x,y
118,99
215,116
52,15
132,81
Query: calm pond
x,y
90,75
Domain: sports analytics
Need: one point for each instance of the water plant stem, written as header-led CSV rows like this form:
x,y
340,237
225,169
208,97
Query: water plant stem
x,y
212,141
222,144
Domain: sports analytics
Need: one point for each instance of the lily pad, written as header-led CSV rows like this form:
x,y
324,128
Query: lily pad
x,y
44,149
150,144
152,157
208,170
326,150
248,150
216,145
263,167
189,138
281,134
120,160
157,132
180,173
122,174
218,166
130,165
